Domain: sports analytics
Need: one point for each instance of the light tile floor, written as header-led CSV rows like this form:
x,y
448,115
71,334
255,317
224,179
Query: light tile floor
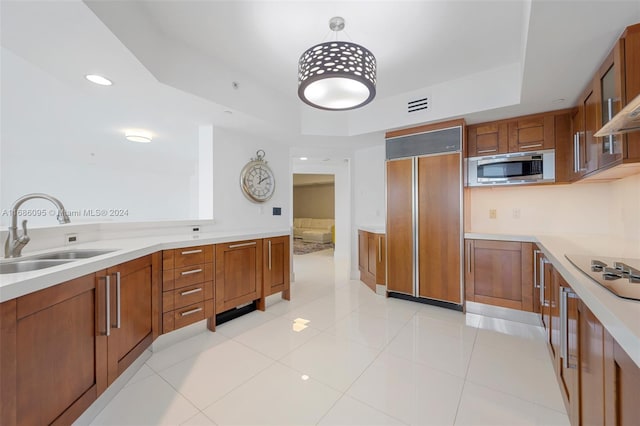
x,y
361,360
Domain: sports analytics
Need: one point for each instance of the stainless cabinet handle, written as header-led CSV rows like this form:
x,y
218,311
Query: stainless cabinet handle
x,y
536,284
195,271
269,254
576,153
107,286
243,245
192,311
609,117
379,248
542,285
563,326
484,151
565,294
117,299
192,251
188,292
535,145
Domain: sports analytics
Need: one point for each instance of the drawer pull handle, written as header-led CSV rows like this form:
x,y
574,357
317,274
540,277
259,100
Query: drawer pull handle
x,y
192,311
531,146
192,251
195,271
188,292
253,243
484,151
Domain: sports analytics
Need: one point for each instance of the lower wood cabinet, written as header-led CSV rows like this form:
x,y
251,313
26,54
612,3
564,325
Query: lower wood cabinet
x,y
372,258
53,363
598,381
565,341
188,287
62,346
499,273
276,266
131,291
238,277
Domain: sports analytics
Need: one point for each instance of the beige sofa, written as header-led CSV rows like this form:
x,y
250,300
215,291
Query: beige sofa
x,y
313,230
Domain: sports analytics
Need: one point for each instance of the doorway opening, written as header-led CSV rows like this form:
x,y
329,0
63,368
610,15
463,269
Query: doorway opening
x,y
313,213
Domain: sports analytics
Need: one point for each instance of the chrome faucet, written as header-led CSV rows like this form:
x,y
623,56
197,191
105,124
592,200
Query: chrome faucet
x,y
15,243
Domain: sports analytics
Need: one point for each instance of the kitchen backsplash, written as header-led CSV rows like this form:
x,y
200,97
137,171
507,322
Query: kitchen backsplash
x,y
582,208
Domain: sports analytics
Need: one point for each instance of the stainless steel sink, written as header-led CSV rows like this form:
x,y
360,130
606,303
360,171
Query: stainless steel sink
x,y
47,260
29,265
71,254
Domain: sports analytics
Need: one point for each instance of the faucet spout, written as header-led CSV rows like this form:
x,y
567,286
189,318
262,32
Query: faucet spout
x,y
15,242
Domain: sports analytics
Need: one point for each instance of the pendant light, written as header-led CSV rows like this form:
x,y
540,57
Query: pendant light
x,y
337,75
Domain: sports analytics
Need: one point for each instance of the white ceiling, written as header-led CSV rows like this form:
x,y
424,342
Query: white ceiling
x,y
511,57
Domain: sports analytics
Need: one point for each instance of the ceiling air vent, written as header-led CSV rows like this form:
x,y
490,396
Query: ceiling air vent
x,y
418,104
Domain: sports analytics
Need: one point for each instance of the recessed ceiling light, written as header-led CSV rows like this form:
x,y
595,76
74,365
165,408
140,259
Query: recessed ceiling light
x,y
138,135
559,100
98,79
304,158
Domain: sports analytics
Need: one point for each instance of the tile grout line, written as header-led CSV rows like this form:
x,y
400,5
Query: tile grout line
x,y
381,350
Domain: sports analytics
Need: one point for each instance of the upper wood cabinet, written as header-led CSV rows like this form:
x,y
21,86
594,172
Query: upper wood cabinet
x,y
276,266
631,42
487,139
610,82
534,132
499,273
238,274
616,82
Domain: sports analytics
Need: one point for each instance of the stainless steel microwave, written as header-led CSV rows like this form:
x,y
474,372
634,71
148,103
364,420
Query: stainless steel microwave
x,y
512,169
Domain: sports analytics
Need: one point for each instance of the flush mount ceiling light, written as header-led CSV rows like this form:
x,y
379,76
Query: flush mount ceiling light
x,y
137,135
98,79
337,75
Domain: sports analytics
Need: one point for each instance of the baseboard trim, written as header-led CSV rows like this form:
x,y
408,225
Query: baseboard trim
x,y
509,314
439,303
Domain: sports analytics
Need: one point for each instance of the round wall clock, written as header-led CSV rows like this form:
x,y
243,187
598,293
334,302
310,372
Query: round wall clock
x,y
257,180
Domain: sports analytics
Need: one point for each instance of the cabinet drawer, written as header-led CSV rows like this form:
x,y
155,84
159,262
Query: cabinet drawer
x,y
187,315
179,298
188,275
187,256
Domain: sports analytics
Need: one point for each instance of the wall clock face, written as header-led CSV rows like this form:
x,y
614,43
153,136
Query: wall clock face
x,y
257,180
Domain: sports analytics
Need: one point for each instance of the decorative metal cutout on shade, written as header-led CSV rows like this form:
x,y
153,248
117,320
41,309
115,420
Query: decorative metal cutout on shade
x,y
337,75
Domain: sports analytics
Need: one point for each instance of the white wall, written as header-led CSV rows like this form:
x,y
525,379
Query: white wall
x,y
231,210
369,184
576,208
60,140
624,208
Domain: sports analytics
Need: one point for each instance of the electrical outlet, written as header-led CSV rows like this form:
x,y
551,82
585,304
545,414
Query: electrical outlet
x,y
493,213
70,239
516,213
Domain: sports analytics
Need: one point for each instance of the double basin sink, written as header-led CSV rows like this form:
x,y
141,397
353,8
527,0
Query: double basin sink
x,y
47,260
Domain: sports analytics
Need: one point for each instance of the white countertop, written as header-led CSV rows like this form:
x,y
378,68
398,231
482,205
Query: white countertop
x,y
375,229
621,317
19,284
499,237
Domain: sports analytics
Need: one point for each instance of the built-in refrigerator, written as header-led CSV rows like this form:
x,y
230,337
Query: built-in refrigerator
x,y
424,183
